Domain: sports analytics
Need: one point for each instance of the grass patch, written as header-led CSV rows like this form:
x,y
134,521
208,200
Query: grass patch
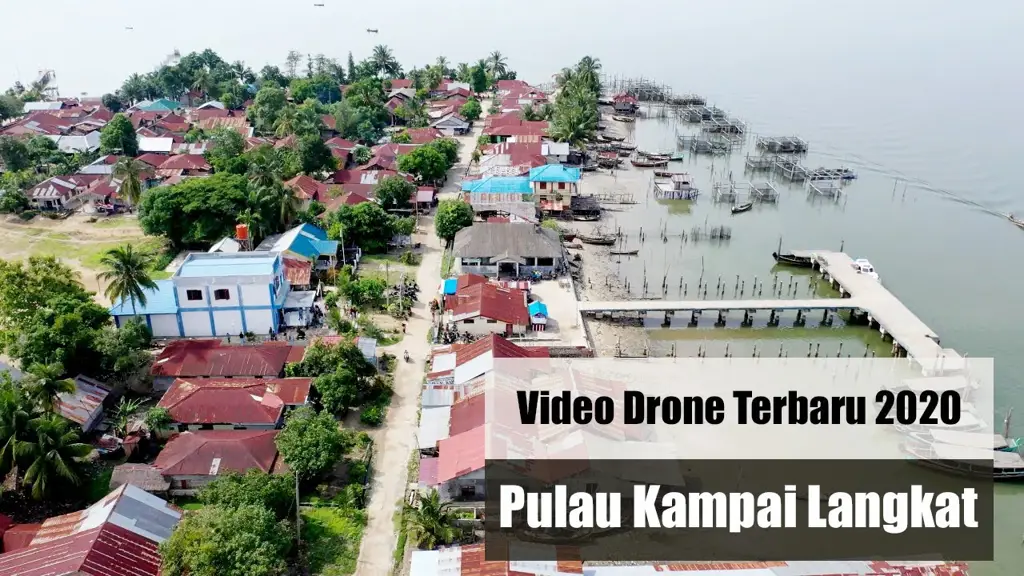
x,y
98,485
116,222
187,503
160,274
88,255
446,263
331,537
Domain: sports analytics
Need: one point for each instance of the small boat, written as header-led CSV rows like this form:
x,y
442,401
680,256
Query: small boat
x,y
625,153
568,236
649,163
623,119
797,260
611,138
624,252
586,217
745,207
667,173
589,167
1017,221
677,158
597,240
996,442
966,461
621,146
863,266
654,155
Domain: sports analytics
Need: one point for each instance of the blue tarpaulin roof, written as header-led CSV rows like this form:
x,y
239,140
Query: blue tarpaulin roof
x,y
554,173
159,301
451,285
536,308
499,184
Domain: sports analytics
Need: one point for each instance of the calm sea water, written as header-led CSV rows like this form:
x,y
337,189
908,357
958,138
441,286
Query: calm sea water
x,y
919,99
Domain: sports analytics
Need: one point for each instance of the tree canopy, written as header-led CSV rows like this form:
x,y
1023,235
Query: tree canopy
x,y
119,136
395,193
366,225
222,541
315,156
275,492
312,443
195,212
426,163
452,216
225,151
471,110
342,376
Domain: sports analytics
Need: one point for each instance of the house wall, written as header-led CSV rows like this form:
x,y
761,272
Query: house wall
x,y
492,270
550,190
480,326
252,304
186,485
196,323
452,489
164,325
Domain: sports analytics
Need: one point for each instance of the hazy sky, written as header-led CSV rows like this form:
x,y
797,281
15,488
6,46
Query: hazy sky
x,y
88,46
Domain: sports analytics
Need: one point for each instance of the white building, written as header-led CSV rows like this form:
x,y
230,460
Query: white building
x,y
215,294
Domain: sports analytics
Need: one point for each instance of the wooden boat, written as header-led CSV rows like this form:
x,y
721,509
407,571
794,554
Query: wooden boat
x,y
1017,221
677,158
655,157
745,207
597,240
667,173
611,138
586,217
621,146
996,442
649,163
623,119
606,162
967,461
589,167
797,260
625,153
624,252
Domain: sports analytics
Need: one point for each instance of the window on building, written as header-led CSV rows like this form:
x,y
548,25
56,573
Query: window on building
x,y
545,261
543,185
222,294
561,185
470,321
194,295
489,321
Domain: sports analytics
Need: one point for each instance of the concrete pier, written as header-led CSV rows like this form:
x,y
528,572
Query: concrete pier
x,y
862,294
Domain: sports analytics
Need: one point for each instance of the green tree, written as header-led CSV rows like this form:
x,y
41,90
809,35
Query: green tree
x,y
16,413
223,541
366,225
271,75
448,148
10,106
497,64
158,418
25,287
265,166
268,104
119,136
125,350
361,155
275,492
129,171
402,137
44,382
15,154
225,151
312,443
384,62
196,211
13,201
56,456
126,272
478,79
425,163
395,193
315,156
432,523
471,110
351,69
452,216
63,330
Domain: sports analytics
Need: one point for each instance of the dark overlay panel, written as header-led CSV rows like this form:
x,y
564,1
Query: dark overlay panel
x,y
724,510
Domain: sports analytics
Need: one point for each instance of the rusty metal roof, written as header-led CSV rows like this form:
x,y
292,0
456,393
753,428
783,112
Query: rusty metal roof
x,y
224,401
199,358
210,452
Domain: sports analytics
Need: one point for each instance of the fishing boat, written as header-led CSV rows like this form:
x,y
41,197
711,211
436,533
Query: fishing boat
x,y
996,442
1017,221
966,460
677,158
626,119
745,207
624,252
654,155
589,167
599,240
648,163
586,217
797,259
608,160
625,153
969,422
667,173
611,138
622,146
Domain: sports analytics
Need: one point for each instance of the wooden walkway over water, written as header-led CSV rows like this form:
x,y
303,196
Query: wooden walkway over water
x,y
860,293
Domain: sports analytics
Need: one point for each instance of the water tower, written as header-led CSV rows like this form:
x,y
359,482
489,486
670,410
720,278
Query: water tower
x,y
242,235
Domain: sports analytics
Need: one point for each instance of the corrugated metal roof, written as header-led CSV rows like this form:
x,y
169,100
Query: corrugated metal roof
x,y
156,145
221,264
82,406
538,307
221,401
128,507
554,173
461,454
39,106
198,358
498,185
194,453
467,414
485,240
434,423
159,301
434,397
109,550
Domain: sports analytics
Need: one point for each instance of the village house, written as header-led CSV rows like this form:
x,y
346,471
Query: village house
x,y
488,309
232,403
85,405
342,150
624,103
471,560
62,192
451,124
554,186
513,249
215,294
308,189
497,195
191,460
214,359
118,535
523,131
303,242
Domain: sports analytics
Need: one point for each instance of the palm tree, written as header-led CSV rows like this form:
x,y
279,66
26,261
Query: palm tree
x,y
258,204
442,63
129,170
56,455
528,112
432,523
134,88
16,411
286,122
383,60
202,81
290,206
126,272
462,72
44,383
264,169
547,111
564,77
497,64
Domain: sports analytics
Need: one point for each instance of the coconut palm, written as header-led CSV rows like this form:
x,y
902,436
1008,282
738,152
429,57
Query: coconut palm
x,y
497,64
462,72
383,61
258,204
126,272
55,456
442,64
432,522
564,77
43,383
290,206
202,81
286,122
589,70
129,172
264,168
546,111
528,112
16,411
134,88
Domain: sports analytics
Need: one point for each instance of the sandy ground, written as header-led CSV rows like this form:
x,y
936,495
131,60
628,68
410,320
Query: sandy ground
x,y
76,241
396,440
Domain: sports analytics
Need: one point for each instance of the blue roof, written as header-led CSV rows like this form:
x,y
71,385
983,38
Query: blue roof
x,y
451,286
536,308
499,184
227,264
308,241
554,173
159,301
310,230
160,105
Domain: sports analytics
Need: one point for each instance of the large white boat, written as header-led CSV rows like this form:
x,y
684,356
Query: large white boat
x,y
864,267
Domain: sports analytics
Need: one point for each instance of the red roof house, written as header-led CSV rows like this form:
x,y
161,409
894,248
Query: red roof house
x,y
424,135
488,308
398,83
249,403
191,459
307,188
189,162
212,358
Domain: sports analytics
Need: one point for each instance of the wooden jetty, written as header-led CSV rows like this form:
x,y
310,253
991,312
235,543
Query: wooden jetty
x,y
791,170
782,144
677,187
861,295
699,113
762,162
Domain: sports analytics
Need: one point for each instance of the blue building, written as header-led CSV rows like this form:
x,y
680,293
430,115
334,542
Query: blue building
x,y
555,186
